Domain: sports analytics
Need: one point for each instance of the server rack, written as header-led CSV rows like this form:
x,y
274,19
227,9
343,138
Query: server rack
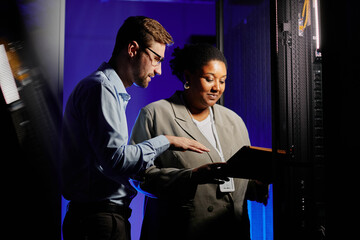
x,y
299,206
297,114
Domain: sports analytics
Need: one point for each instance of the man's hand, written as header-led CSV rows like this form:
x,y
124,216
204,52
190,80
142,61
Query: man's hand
x,y
186,144
209,173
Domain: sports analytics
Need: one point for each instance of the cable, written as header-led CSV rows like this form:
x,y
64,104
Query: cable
x,y
305,12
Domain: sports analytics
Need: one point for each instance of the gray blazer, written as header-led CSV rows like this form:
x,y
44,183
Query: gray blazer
x,y
182,209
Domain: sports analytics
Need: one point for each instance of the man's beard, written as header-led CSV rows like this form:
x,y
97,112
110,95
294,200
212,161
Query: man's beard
x,y
143,82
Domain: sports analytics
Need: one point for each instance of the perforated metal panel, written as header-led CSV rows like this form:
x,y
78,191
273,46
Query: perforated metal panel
x,y
298,123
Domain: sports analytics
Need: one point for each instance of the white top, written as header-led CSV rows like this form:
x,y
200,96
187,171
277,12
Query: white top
x,y
208,129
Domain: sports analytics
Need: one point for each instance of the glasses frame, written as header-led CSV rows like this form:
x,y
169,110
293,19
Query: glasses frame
x,y
158,62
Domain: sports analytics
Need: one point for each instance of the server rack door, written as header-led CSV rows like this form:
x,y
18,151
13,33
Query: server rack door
x,y
299,208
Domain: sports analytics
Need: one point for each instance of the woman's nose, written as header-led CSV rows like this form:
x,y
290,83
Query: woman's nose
x,y
216,86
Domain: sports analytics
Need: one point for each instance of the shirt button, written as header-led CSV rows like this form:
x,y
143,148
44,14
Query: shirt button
x,y
210,208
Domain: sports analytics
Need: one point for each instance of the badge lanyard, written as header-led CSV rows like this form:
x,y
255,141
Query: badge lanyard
x,y
227,186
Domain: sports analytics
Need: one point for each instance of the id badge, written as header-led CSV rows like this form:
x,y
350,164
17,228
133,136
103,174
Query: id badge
x,y
228,186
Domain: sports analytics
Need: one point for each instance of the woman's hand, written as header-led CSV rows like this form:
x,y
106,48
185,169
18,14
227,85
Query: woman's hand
x,y
209,173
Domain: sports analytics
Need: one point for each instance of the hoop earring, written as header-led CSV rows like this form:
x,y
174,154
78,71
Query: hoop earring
x,y
186,85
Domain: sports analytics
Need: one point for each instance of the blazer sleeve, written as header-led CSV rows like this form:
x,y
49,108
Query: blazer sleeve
x,y
157,181
257,191
142,126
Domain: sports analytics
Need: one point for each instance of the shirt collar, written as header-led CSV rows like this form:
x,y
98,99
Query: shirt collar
x,y
115,80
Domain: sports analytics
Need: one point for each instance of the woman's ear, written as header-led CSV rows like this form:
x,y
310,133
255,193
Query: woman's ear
x,y
187,76
133,49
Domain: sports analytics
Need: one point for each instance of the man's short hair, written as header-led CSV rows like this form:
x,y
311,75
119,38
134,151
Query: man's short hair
x,y
143,30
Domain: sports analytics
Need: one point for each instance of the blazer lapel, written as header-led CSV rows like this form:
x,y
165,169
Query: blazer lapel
x,y
183,119
225,132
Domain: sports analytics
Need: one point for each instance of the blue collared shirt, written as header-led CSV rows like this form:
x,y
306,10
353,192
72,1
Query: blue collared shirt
x,y
97,162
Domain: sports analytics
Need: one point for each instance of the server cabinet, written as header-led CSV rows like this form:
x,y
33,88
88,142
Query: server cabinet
x,y
297,108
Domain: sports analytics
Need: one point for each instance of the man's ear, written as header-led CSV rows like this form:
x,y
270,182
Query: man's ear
x,y
133,49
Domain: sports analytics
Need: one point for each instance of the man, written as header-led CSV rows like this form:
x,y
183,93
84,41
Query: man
x,y
97,161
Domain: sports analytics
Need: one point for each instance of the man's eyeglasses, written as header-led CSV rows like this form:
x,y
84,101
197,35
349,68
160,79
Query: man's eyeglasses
x,y
157,60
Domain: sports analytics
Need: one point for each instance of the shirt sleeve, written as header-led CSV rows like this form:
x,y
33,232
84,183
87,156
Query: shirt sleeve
x,y
105,123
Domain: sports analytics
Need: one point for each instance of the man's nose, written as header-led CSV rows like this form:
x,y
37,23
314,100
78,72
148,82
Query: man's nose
x,y
158,69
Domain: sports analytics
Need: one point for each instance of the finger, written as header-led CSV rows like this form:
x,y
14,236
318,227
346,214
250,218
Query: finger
x,y
199,146
221,177
195,150
217,166
198,149
216,181
203,148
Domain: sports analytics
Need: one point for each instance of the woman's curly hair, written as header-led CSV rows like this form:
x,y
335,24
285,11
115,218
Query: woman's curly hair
x,y
193,57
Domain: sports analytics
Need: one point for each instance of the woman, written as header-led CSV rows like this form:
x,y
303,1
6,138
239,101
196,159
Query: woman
x,y
188,206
